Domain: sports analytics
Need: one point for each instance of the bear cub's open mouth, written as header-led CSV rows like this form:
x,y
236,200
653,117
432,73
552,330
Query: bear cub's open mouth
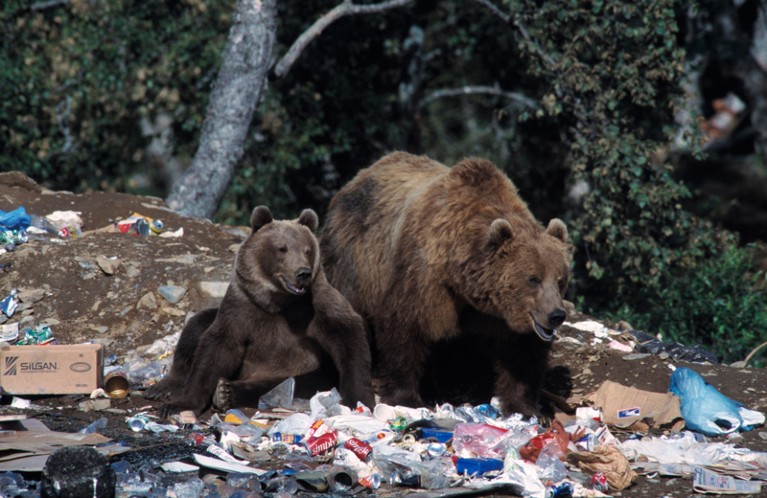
x,y
544,333
295,289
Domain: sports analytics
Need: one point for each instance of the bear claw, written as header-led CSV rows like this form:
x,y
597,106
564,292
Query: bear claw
x,y
222,397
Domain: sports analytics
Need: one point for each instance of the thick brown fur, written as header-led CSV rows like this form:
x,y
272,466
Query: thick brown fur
x,y
428,254
279,318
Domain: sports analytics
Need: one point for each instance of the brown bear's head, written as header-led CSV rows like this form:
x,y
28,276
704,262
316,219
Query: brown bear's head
x,y
279,260
520,275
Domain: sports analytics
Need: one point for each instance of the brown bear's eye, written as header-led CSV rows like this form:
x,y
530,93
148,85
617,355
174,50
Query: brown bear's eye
x,y
309,253
534,281
283,249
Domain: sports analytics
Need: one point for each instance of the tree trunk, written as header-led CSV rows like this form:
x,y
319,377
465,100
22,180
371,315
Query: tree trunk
x,y
245,64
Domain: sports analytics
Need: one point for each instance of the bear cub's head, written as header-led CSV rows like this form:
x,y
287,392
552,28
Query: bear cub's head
x,y
279,260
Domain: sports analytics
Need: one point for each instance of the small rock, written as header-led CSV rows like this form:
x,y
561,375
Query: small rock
x,y
172,293
148,301
213,289
30,296
133,271
184,259
172,311
52,321
94,405
108,265
101,329
635,356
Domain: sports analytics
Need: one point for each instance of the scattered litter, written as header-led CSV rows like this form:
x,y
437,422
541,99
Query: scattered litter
x,y
647,343
624,406
138,224
708,411
608,461
707,481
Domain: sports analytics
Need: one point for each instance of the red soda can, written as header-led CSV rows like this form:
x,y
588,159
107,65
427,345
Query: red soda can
x,y
360,448
599,482
317,429
321,444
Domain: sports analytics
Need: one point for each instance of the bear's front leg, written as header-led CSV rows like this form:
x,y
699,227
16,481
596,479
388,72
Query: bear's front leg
x,y
218,356
521,366
340,331
401,364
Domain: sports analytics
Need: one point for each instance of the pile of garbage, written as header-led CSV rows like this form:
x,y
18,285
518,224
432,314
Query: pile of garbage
x,y
291,446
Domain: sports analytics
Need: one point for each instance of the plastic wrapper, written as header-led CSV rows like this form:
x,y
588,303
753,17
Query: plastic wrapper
x,y
705,409
280,396
18,219
480,440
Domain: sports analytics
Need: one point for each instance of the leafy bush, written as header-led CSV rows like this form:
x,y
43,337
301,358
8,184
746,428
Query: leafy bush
x,y
79,77
722,305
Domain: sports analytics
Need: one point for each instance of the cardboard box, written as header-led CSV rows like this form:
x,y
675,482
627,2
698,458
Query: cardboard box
x,y
51,369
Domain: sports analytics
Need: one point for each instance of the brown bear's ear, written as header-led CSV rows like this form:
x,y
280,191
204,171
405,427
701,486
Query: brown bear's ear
x,y
261,216
309,218
557,229
500,231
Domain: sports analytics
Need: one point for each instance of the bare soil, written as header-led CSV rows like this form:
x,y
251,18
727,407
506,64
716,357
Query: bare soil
x,y
83,302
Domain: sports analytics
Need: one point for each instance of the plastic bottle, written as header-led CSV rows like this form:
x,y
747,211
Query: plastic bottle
x,y
95,426
189,489
551,467
281,484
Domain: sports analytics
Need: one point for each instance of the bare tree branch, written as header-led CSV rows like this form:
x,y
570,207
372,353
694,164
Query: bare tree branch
x,y
478,90
532,44
47,4
345,8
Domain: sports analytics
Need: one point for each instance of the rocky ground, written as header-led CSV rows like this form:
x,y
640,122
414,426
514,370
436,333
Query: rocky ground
x,y
105,287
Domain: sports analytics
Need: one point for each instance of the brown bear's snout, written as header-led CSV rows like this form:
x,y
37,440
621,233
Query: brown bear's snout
x,y
304,276
557,318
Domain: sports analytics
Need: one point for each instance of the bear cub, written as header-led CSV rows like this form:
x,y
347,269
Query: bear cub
x,y
279,318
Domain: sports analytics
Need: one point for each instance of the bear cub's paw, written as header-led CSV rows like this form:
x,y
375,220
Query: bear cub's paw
x,y
222,397
161,391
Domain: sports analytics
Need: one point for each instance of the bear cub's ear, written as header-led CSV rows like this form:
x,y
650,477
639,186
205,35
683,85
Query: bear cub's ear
x,y
500,232
309,219
261,216
557,229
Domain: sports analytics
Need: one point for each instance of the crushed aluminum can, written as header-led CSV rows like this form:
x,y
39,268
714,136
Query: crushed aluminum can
x,y
373,481
137,422
317,429
116,384
361,449
279,437
599,482
322,444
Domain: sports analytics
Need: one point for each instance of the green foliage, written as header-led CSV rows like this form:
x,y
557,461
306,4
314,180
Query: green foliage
x,y
79,78
612,73
722,305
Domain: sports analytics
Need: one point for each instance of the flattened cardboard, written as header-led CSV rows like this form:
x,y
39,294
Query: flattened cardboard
x,y
622,406
51,369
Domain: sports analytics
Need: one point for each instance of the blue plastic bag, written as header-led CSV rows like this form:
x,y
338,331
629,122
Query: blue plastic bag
x,y
704,409
18,219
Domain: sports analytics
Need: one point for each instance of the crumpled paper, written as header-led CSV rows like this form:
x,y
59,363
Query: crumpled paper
x,y
608,460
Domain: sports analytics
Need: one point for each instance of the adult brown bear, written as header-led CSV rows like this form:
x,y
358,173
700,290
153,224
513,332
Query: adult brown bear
x,y
278,319
427,254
